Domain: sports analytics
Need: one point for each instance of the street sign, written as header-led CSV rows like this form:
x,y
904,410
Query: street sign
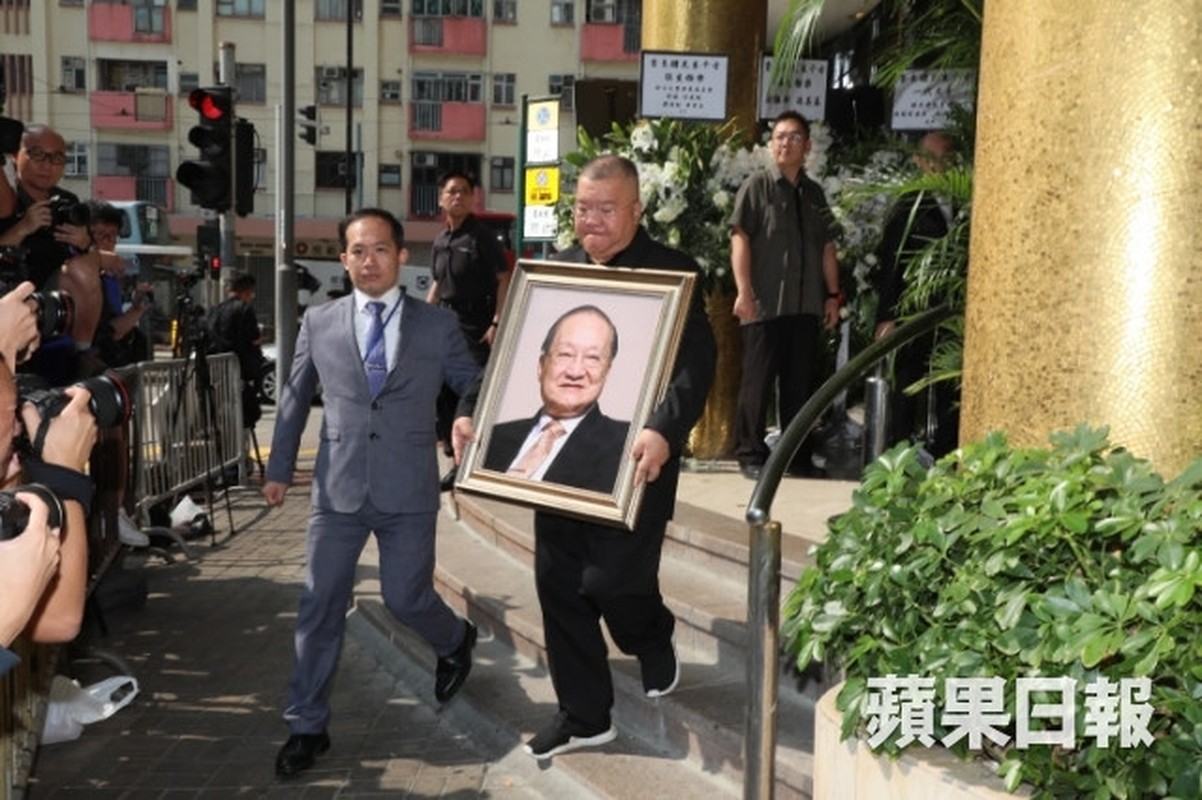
x,y
542,186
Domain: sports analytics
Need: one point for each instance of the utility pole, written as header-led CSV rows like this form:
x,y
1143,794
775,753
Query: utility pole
x,y
350,104
225,219
285,270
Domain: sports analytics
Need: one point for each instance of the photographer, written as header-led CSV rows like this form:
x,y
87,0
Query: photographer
x,y
105,334
234,328
61,445
49,222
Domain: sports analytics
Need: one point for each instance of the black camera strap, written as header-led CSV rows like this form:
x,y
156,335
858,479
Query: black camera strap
x,y
66,483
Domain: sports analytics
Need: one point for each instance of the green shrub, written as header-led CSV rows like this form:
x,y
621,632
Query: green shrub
x,y
1077,561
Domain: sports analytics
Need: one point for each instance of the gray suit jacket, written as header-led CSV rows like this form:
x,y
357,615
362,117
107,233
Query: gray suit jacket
x,y
381,449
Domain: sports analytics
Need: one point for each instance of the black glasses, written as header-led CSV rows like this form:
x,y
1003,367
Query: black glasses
x,y
42,157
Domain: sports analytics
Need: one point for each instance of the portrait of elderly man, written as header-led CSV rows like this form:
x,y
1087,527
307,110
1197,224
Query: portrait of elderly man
x,y
569,441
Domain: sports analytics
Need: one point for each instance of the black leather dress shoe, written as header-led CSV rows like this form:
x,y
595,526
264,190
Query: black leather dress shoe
x,y
751,471
452,671
300,752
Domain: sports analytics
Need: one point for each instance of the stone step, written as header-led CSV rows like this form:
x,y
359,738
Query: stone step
x,y
484,570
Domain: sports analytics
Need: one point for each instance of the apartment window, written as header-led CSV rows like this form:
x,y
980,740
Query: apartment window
x,y
390,176
141,161
75,70
331,86
331,170
70,2
563,12
450,87
390,91
390,8
505,10
188,81
241,8
185,5
260,169
128,76
501,174
336,9
504,88
563,86
251,81
448,8
77,159
148,16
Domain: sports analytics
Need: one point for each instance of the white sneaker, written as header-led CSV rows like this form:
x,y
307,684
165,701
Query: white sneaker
x,y
128,533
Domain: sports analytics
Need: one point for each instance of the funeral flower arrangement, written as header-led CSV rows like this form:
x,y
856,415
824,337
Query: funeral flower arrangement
x,y
688,175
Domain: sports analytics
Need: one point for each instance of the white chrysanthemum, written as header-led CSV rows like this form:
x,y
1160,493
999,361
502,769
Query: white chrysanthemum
x,y
721,199
565,239
670,209
642,138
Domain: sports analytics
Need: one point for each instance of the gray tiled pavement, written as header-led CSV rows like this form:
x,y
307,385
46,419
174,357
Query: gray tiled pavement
x,y
212,651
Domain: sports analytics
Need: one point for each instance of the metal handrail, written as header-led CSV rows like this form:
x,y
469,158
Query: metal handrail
x,y
763,590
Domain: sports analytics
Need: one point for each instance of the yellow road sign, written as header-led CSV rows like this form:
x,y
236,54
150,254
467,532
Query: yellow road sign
x,y
542,186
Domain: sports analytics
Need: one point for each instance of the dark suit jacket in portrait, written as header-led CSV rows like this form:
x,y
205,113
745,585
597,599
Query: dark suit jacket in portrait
x,y
381,448
589,459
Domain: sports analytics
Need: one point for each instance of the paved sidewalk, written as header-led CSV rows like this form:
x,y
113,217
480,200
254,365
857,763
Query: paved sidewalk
x,y
212,651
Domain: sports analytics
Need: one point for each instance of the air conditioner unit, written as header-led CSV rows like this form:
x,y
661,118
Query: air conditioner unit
x,y
331,73
425,160
605,14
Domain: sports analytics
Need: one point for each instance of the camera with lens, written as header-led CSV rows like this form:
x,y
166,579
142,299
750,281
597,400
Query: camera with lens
x,y
68,211
55,310
110,403
14,513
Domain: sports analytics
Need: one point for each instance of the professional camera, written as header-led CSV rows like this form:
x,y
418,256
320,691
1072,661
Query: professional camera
x,y
14,513
65,211
55,310
110,404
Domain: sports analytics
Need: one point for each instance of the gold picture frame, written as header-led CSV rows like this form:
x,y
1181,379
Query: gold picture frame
x,y
647,309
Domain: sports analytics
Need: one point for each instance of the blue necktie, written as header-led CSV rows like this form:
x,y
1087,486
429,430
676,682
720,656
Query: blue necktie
x,y
375,362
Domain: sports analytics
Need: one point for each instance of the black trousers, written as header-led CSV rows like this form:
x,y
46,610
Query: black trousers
x,y
585,573
784,350
473,324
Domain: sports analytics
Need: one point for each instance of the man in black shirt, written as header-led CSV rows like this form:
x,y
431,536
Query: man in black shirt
x,y
49,222
233,328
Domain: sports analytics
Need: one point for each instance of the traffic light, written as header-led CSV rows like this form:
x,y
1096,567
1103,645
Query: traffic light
x,y
244,168
210,176
308,125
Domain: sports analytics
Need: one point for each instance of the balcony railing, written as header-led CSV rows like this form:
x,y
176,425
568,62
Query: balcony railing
x,y
153,190
427,31
427,115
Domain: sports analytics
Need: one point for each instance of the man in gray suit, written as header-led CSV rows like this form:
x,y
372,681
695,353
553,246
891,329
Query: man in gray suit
x,y
381,359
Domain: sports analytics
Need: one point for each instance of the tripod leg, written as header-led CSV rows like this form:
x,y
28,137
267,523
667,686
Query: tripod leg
x,y
254,442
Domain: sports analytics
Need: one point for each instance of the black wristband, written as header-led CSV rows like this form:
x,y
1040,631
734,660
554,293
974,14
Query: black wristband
x,y
66,483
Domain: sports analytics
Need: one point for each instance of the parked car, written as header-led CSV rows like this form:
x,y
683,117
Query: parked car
x,y
267,378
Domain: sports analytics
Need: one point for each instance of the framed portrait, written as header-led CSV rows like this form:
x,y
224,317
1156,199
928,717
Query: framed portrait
x,y
583,355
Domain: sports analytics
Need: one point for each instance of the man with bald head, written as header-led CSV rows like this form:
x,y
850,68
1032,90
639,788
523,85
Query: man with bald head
x,y
586,571
41,162
569,441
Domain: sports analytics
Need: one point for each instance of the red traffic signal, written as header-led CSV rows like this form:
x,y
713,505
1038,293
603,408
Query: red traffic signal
x,y
211,176
213,103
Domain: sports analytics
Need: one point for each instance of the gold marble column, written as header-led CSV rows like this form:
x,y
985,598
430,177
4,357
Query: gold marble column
x,y
727,27
1085,277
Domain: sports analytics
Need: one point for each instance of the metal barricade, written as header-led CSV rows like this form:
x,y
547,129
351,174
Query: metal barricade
x,y
181,434
184,435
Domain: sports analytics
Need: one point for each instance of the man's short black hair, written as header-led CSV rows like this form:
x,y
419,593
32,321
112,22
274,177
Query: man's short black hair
x,y
105,213
243,282
451,175
795,117
398,230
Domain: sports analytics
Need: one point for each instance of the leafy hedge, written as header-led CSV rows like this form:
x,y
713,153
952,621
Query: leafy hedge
x,y
1077,561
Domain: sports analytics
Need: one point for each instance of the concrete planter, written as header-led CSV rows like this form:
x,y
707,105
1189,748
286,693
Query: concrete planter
x,y
851,771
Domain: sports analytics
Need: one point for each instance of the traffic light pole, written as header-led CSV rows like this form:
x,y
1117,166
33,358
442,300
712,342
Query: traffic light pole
x,y
285,272
225,219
